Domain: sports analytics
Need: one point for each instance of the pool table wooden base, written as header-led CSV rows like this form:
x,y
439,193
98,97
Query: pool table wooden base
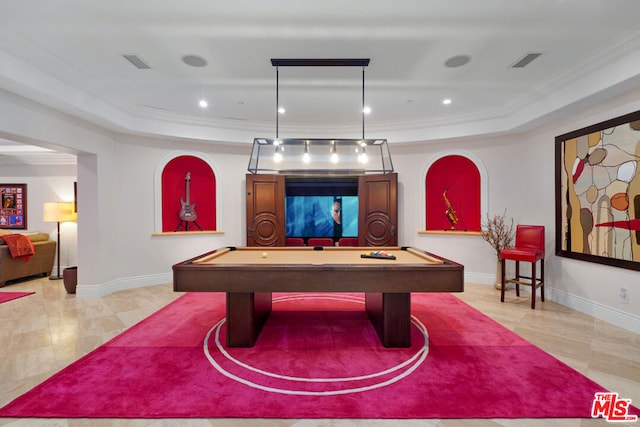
x,y
249,275
247,313
390,314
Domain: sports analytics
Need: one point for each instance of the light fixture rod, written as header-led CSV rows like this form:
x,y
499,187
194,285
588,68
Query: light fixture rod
x,y
363,103
320,62
277,99
58,275
317,62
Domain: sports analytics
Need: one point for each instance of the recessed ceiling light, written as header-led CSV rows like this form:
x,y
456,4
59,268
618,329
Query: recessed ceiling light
x,y
366,110
457,61
203,103
446,101
194,60
281,110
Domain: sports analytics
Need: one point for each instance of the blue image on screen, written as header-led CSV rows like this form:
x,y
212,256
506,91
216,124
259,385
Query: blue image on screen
x,y
350,216
312,216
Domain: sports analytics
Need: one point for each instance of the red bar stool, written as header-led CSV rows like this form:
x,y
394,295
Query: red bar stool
x,y
529,247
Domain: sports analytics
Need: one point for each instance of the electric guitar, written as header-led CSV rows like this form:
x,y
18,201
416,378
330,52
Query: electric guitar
x,y
187,212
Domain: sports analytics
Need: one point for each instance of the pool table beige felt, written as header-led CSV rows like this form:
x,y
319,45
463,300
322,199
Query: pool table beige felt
x,y
249,275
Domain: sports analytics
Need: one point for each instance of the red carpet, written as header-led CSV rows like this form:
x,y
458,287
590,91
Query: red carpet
x,y
317,357
9,296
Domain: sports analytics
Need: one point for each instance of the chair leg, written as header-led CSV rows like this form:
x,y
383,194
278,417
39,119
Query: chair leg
x,y
542,279
533,285
502,262
517,278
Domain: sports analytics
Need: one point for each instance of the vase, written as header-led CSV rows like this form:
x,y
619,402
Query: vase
x,y
498,282
70,279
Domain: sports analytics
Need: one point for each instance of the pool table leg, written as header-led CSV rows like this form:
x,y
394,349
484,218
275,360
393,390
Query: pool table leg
x,y
247,313
390,314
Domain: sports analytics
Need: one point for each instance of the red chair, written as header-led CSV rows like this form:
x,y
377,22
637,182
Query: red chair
x,y
294,241
348,241
320,241
529,247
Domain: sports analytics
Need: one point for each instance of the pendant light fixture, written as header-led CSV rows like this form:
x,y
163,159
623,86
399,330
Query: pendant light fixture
x,y
298,159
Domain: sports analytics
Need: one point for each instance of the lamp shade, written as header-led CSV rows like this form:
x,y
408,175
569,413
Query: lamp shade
x,y
59,212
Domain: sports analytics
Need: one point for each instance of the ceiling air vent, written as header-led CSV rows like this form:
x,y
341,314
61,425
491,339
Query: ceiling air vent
x,y
137,61
525,60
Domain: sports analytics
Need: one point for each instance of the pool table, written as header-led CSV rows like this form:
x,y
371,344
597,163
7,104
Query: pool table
x,y
249,275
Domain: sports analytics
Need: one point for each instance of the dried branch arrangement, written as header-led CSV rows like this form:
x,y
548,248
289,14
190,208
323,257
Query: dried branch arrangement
x,y
498,232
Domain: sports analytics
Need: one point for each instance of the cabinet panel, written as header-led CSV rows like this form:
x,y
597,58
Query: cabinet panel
x,y
378,210
265,210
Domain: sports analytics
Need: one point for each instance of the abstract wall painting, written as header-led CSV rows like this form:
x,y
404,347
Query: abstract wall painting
x,y
598,193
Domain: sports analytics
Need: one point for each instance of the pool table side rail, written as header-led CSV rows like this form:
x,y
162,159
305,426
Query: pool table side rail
x,y
447,276
212,255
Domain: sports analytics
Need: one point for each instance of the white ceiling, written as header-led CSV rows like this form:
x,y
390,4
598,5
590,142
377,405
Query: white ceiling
x,y
68,54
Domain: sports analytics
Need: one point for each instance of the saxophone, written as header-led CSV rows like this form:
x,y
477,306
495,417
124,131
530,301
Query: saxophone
x,y
450,213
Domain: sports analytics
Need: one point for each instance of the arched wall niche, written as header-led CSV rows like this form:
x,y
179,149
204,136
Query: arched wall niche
x,y
170,186
461,177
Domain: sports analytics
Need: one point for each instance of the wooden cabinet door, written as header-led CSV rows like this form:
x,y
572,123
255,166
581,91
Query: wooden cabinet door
x,y
265,210
378,210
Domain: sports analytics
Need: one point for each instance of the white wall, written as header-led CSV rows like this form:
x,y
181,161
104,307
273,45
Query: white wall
x,y
116,248
522,180
141,253
519,182
25,121
588,287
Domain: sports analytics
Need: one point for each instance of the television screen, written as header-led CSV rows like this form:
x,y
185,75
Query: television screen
x,y
313,216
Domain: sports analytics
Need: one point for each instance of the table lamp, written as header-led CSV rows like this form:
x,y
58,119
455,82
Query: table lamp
x,y
59,212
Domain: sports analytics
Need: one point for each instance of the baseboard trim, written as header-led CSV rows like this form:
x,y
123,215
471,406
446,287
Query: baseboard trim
x,y
479,278
608,314
603,312
104,289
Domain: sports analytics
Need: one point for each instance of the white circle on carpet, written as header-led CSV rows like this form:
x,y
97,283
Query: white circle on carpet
x,y
404,369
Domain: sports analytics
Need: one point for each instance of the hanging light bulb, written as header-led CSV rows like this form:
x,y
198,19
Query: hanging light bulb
x,y
334,153
277,156
306,157
362,156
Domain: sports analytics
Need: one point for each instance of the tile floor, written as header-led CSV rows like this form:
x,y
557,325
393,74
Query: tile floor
x,y
42,333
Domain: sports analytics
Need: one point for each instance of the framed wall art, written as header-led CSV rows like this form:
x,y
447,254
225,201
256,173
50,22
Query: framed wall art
x,y
598,193
13,207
